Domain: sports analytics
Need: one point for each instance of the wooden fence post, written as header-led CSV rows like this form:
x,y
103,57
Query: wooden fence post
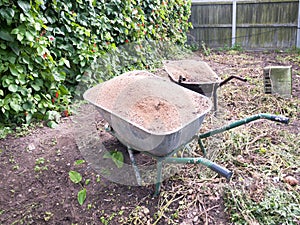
x,y
234,22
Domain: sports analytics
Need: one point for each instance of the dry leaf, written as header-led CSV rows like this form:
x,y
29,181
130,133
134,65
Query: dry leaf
x,y
291,180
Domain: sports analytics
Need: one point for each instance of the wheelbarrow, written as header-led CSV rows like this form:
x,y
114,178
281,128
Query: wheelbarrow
x,y
197,76
120,100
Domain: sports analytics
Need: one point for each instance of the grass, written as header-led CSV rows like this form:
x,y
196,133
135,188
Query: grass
x,y
261,154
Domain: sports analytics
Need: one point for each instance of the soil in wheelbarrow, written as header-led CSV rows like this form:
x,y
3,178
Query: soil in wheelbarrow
x,y
190,71
156,106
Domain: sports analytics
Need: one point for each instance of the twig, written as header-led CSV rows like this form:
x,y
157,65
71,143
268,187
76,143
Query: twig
x,y
166,206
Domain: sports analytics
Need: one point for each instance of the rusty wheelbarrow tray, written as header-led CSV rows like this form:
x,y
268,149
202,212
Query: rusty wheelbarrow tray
x,y
197,76
117,103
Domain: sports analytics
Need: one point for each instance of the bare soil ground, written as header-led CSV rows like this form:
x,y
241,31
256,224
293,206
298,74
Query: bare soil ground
x,y
34,167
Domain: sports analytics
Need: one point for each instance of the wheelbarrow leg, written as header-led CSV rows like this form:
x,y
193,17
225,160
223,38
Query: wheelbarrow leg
x,y
215,99
135,168
158,178
200,143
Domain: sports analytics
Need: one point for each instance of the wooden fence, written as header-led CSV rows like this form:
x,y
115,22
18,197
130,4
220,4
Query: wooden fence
x,y
256,24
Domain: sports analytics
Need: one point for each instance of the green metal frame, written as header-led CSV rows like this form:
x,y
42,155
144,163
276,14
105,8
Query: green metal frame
x,y
235,124
199,160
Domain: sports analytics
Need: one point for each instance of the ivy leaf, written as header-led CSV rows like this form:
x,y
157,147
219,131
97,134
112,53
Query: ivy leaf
x,y
25,6
63,89
15,106
75,177
13,70
67,63
12,58
29,36
6,36
15,47
8,14
28,117
36,87
59,76
81,196
52,124
13,88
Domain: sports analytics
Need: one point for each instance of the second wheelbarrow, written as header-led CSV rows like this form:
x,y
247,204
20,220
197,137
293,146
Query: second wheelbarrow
x,y
197,76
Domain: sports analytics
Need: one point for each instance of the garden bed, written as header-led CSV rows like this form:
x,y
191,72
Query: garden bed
x,y
35,187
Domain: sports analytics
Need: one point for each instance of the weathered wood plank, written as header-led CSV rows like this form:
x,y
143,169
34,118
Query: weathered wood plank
x,y
244,25
195,2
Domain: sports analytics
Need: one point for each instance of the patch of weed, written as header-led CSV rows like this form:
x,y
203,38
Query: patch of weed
x,y
40,165
276,207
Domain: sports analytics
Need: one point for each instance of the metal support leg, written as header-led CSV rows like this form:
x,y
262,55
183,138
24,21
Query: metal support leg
x,y
158,178
135,168
215,99
202,147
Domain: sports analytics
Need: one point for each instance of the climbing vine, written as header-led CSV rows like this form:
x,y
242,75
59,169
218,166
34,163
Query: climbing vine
x,y
48,47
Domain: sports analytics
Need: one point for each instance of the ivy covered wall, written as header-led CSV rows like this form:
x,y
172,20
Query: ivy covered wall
x,y
47,47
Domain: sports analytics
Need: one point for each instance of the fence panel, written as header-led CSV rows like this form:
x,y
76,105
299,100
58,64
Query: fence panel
x,y
260,24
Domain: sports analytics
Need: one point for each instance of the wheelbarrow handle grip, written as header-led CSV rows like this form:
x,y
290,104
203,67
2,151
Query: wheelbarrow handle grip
x,y
230,78
281,119
221,170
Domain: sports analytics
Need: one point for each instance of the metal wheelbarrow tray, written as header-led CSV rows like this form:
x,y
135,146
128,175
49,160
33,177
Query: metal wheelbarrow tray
x,y
148,113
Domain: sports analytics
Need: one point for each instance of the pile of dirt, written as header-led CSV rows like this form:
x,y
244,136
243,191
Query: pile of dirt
x,y
153,103
155,114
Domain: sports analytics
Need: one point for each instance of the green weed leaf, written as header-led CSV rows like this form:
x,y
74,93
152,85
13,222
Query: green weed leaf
x,y
81,196
75,177
116,156
80,161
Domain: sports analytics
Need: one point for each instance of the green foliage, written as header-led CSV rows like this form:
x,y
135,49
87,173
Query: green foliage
x,y
40,165
76,178
4,131
235,48
277,207
31,82
47,47
136,55
116,156
79,162
81,196
206,50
